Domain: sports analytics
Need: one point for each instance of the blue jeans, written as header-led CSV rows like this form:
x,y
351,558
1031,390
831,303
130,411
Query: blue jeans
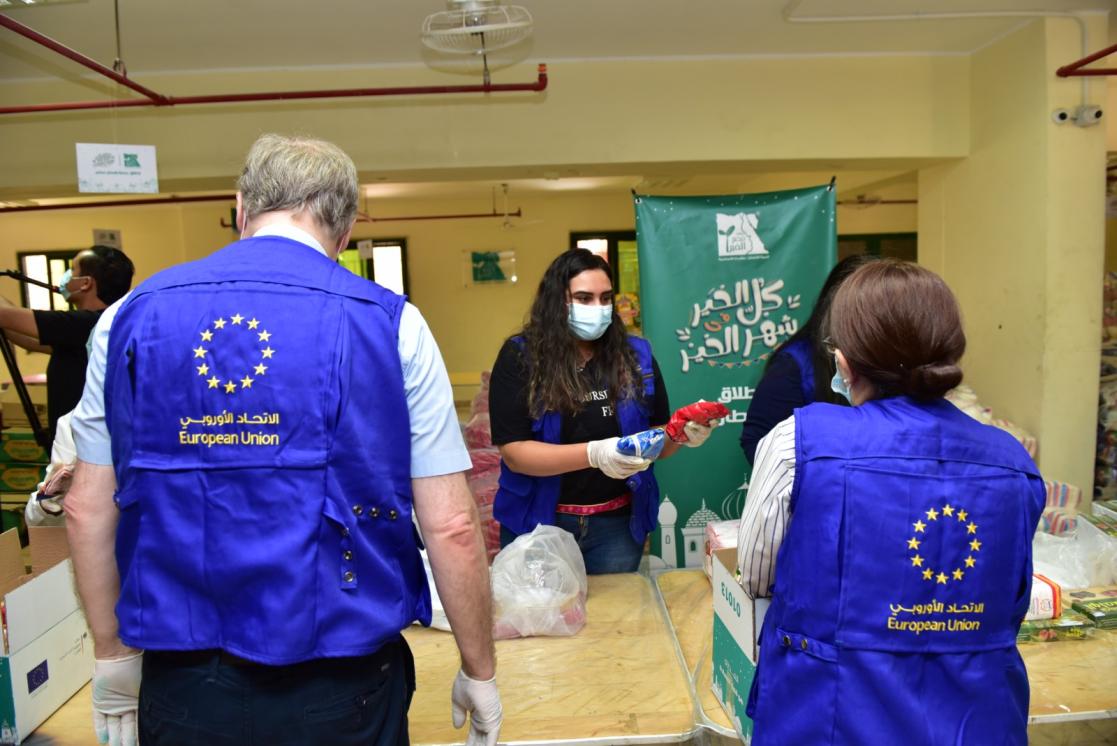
x,y
207,698
606,543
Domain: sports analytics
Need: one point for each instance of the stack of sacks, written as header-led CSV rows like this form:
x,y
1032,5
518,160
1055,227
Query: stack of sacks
x,y
1060,514
965,399
1105,462
484,475
483,479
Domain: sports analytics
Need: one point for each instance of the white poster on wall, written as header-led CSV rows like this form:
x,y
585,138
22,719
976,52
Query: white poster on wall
x,y
117,168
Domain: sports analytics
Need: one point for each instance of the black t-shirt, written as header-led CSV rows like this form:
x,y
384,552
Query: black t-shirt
x,y
777,396
511,421
66,332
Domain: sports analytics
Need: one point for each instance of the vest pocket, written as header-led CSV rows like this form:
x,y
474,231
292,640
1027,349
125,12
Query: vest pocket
x,y
797,674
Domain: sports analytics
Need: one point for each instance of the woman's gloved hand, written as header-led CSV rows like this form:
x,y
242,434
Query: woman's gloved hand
x,y
699,418
697,433
603,454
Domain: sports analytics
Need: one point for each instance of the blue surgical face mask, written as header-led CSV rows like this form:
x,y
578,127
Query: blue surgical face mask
x,y
839,385
589,322
64,282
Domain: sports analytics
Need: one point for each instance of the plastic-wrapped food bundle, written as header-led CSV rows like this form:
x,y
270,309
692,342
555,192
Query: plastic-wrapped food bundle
x,y
965,399
539,586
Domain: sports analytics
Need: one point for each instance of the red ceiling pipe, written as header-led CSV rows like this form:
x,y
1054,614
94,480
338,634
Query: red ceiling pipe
x,y
363,218
158,99
77,57
124,203
1072,69
539,85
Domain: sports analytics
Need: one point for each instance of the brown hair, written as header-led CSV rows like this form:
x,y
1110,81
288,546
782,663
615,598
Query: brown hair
x,y
899,325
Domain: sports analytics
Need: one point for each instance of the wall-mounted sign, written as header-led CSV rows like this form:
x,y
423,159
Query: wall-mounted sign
x,y
117,168
107,237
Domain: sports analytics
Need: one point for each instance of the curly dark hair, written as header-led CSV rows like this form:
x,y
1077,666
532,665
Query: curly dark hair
x,y
552,350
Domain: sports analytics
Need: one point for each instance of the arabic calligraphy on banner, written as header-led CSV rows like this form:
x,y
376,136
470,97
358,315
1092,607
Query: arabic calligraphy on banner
x,y
725,280
726,325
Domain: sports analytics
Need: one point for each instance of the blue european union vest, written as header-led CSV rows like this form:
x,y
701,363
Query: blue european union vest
x,y
800,352
901,582
523,502
261,443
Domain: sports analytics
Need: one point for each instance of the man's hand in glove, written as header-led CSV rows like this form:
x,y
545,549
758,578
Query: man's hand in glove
x,y
482,701
696,433
116,692
603,454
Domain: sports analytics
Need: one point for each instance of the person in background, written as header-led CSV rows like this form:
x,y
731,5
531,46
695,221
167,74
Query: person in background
x,y
561,394
800,370
895,538
44,506
97,278
269,443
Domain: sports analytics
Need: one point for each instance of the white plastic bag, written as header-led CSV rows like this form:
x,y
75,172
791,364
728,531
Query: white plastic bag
x,y
539,585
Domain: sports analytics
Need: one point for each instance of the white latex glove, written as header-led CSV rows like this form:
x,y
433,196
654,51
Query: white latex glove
x,y
603,454
696,433
482,701
116,694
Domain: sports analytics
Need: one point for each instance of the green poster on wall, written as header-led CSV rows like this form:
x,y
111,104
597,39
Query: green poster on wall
x,y
724,281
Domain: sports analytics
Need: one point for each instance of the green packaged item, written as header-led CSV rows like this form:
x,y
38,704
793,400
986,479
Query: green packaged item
x,y
1069,626
1098,604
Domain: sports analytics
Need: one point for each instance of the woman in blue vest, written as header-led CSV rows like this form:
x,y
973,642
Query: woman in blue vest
x,y
561,394
894,537
800,370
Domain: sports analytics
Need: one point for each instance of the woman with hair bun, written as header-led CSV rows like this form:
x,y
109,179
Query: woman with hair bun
x,y
903,530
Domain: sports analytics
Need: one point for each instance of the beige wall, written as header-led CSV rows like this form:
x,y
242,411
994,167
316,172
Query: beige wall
x,y
600,115
469,321
1017,230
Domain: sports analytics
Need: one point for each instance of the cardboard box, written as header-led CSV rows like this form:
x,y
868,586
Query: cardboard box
x,y
22,478
47,649
19,446
737,622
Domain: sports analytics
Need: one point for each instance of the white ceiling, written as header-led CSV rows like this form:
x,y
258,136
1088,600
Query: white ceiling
x,y
219,35
158,35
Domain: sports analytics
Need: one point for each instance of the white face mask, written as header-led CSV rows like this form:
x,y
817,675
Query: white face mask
x,y
589,322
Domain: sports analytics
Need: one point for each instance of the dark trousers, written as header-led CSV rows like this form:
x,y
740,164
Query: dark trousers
x,y
210,698
606,543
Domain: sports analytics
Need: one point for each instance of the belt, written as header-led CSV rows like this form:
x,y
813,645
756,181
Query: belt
x,y
200,657
605,507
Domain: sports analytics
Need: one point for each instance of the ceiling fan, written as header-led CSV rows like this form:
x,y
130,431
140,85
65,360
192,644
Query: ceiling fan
x,y
476,27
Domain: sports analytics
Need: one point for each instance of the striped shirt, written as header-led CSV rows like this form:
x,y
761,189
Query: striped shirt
x,y
765,518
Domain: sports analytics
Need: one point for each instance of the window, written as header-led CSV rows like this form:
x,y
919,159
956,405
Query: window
x,y
384,261
898,245
619,249
48,267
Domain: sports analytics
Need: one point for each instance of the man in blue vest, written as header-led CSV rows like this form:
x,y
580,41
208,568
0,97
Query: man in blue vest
x,y
243,542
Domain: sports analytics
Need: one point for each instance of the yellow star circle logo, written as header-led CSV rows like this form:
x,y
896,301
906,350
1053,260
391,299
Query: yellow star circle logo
x,y
222,330
939,518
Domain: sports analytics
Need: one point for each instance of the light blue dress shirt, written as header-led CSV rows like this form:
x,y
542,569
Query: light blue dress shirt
x,y
436,440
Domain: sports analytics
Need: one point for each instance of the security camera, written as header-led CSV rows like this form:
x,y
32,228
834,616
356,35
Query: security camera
x,y
1059,116
1084,116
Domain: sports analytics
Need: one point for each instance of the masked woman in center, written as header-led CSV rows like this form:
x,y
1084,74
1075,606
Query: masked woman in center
x,y
563,391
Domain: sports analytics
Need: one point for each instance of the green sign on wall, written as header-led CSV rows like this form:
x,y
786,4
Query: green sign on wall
x,y
724,281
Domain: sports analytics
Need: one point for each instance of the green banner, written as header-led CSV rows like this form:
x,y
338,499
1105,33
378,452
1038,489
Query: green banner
x,y
724,281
